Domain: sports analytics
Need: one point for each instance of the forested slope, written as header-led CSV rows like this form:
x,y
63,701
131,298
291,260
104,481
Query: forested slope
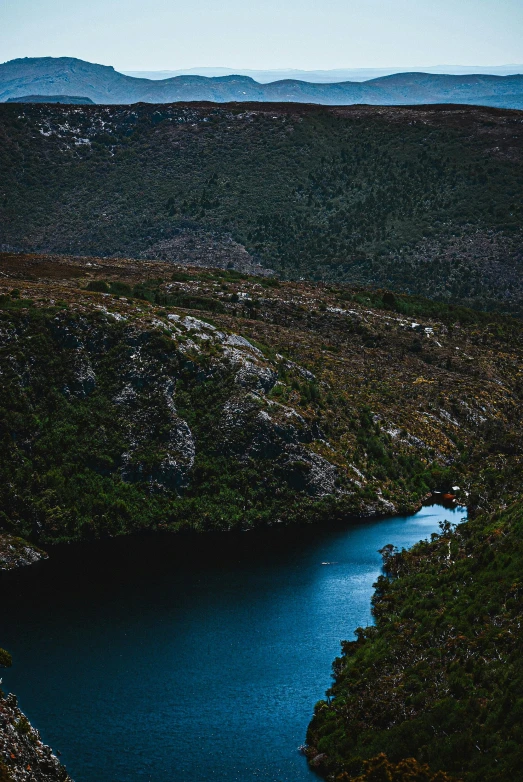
x,y
424,200
135,397
439,678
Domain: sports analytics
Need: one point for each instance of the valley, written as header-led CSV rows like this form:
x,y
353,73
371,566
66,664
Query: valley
x,y
142,396
277,320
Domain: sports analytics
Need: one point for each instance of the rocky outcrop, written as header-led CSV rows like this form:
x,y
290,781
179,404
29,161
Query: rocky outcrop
x,y
142,396
23,755
138,397
16,552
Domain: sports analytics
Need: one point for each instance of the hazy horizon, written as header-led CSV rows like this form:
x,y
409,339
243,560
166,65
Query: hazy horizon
x,y
274,35
331,75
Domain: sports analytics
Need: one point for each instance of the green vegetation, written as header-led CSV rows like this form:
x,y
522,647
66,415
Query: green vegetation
x,y
380,769
422,200
65,439
5,659
149,291
12,301
115,417
440,675
123,409
23,726
418,306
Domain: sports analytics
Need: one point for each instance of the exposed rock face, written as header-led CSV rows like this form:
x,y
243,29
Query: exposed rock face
x,y
246,430
254,428
310,472
143,394
143,398
258,378
16,552
151,382
23,755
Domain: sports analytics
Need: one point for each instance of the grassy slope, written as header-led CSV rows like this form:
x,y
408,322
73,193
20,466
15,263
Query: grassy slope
x,y
424,200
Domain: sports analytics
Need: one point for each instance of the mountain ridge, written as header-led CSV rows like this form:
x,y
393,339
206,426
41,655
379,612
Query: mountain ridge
x,y
325,76
103,84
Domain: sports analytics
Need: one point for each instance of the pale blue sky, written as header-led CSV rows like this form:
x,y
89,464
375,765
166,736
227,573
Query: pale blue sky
x,y
171,34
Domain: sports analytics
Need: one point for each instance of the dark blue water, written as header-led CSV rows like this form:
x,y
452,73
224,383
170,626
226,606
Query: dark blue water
x,y
167,658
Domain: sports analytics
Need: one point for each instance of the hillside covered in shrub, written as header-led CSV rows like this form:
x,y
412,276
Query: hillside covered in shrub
x,y
439,677
136,395
424,200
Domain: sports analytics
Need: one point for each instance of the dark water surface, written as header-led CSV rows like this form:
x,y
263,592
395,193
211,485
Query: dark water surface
x,y
170,659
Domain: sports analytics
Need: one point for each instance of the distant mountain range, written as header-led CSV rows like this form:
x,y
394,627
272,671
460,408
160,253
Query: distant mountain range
x,y
328,76
103,84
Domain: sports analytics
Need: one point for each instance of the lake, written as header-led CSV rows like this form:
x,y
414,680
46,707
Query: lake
x,y
199,658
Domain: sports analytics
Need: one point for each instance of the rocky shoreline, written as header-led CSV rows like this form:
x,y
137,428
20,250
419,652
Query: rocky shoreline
x,y
17,552
23,755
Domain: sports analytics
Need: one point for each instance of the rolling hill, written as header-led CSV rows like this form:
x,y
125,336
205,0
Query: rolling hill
x,y
66,99
102,84
330,76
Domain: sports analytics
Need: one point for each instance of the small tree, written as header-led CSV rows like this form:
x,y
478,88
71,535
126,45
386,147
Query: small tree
x,y
6,660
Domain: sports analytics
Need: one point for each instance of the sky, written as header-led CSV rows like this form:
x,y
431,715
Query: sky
x,y
306,34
